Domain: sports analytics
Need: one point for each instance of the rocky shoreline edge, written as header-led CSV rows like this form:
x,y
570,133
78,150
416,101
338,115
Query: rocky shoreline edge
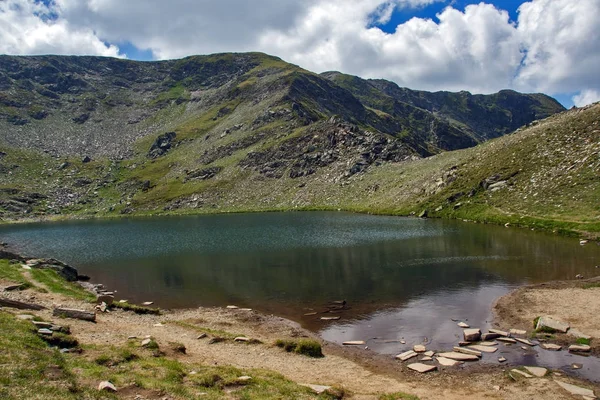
x,y
374,363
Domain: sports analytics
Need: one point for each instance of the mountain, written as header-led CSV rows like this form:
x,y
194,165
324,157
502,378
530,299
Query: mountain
x,y
91,136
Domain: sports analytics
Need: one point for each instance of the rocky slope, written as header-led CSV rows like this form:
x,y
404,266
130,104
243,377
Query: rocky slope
x,y
229,132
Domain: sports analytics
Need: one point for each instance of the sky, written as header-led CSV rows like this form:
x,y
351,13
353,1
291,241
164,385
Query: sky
x,y
548,46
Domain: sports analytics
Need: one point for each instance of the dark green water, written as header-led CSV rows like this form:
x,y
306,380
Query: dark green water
x,y
402,278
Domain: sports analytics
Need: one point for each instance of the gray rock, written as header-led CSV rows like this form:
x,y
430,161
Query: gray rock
x,y
422,368
472,335
548,323
576,390
107,387
318,389
580,348
105,298
45,331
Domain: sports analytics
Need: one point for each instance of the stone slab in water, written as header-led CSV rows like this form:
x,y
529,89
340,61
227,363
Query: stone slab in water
x,y
422,368
459,356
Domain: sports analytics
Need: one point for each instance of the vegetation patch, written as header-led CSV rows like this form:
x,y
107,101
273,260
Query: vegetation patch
x,y
398,396
56,284
135,308
307,347
584,341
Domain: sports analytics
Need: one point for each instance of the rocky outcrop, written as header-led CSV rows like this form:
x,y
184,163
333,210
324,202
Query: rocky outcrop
x,y
162,145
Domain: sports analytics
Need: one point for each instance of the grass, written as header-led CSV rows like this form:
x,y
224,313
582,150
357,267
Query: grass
x,y
307,347
29,369
135,308
13,272
584,341
56,284
591,285
398,396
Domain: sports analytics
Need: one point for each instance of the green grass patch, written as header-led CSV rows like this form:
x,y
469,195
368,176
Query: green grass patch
x,y
591,285
13,272
584,341
398,396
56,284
307,347
135,308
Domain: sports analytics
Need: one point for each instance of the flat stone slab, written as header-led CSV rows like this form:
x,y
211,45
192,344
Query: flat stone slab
x,y
25,317
537,371
407,355
518,332
580,348
463,325
422,368
489,336
429,353
525,341
426,358
467,350
488,344
232,307
506,340
458,356
241,339
45,331
502,359
552,324
329,318
419,348
310,314
578,334
550,346
318,389
499,332
354,343
524,374
576,390
472,335
446,362
484,349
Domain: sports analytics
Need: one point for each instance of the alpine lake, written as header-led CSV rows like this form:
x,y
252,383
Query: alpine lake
x,y
402,279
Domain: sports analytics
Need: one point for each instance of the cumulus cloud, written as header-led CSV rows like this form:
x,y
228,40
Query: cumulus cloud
x,y
29,27
586,97
554,46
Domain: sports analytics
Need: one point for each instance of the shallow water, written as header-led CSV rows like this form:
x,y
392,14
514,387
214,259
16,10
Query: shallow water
x,y
402,278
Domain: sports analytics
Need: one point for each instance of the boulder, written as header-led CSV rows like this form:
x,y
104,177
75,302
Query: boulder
x,y
162,145
104,298
472,335
552,325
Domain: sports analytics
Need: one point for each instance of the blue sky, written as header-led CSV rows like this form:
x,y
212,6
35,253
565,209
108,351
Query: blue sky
x,y
549,46
402,15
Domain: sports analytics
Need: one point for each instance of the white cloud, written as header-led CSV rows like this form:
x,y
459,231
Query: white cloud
x,y
554,46
586,97
26,28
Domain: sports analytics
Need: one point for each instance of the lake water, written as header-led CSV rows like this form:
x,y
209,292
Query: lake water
x,y
402,278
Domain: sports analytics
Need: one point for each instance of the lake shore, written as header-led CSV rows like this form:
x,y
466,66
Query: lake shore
x,y
350,371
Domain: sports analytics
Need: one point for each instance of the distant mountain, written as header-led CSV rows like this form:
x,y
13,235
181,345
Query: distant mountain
x,y
100,136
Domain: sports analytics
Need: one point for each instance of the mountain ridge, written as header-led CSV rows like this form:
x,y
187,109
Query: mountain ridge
x,y
94,137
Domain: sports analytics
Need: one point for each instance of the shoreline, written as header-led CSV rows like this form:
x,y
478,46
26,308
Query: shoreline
x,y
379,371
534,224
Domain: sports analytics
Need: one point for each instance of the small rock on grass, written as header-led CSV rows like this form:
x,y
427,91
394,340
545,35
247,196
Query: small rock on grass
x,y
107,387
318,389
146,342
241,339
